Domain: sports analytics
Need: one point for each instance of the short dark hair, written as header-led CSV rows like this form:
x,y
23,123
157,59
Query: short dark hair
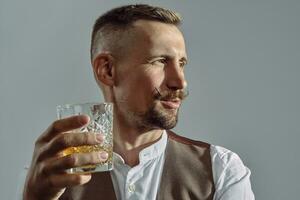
x,y
122,17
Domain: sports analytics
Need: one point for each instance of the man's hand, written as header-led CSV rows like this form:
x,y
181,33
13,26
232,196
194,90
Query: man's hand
x,y
47,177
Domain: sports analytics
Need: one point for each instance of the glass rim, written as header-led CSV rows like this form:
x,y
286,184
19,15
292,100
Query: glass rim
x,y
66,106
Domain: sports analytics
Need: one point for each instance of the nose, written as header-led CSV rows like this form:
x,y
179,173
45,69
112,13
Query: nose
x,y
175,78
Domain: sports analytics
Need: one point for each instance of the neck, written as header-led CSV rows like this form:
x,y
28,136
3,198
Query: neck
x,y
129,141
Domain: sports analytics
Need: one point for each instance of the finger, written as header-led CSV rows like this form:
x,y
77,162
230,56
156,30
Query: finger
x,y
63,125
65,140
74,160
67,180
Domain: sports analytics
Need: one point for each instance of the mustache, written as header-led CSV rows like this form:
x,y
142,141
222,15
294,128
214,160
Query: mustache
x,y
169,95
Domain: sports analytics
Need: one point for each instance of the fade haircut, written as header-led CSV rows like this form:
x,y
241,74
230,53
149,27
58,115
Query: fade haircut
x,y
110,27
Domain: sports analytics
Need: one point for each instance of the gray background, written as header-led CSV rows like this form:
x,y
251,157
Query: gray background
x,y
243,76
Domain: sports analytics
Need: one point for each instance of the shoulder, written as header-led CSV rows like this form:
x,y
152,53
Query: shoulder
x,y
186,141
223,156
226,161
231,176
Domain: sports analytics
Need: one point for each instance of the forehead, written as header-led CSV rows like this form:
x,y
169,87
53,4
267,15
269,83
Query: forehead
x,y
151,37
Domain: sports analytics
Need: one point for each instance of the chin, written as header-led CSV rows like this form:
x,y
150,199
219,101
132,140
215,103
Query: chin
x,y
162,118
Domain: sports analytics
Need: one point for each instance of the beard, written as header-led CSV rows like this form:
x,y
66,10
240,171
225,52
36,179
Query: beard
x,y
158,117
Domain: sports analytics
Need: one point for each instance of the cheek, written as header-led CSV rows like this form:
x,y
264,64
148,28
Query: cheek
x,y
137,88
141,89
154,77
146,84
148,78
133,90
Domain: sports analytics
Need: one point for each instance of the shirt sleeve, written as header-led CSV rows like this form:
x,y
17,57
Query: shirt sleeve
x,y
231,176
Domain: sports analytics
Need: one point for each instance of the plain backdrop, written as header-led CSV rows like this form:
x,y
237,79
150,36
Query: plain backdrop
x,y
243,77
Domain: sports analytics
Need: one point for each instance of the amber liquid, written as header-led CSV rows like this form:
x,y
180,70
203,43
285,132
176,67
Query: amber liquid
x,y
88,149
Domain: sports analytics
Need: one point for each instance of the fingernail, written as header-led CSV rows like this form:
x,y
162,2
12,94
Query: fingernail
x,y
103,155
99,137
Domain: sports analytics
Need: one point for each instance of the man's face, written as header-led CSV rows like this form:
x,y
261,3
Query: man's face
x,y
150,78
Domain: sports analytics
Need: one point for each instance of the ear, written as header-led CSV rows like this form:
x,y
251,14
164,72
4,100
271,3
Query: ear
x,y
104,69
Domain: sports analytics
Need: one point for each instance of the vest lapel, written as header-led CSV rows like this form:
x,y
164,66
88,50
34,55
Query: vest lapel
x,y
187,172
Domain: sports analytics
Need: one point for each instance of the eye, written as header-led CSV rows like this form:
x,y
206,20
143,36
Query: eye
x,y
182,64
159,61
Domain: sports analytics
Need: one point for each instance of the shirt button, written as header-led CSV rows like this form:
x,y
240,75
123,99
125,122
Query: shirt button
x,y
131,188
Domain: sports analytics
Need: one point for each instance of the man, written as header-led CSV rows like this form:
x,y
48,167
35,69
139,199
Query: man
x,y
138,57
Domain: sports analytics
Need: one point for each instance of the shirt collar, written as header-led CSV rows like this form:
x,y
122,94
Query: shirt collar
x,y
151,152
154,150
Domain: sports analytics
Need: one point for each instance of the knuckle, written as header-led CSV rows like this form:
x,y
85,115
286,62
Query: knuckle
x,y
37,143
55,126
88,138
43,169
40,140
84,139
95,158
40,156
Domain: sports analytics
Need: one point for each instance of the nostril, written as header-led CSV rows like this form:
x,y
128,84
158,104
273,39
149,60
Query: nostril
x,y
173,88
177,84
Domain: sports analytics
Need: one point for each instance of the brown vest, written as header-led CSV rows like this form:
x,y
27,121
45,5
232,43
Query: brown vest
x,y
187,174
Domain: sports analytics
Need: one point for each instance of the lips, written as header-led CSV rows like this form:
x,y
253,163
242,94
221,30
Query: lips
x,y
171,104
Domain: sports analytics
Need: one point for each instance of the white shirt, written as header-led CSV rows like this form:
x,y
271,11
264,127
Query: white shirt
x,y
231,176
141,181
